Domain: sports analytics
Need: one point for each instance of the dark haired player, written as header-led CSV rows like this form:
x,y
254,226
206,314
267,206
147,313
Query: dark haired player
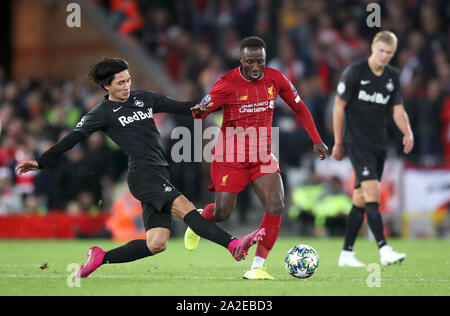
x,y
367,93
242,154
127,117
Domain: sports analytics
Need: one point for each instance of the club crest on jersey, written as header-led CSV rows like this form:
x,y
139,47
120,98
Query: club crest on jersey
x,y
341,88
139,103
390,85
270,93
206,99
224,181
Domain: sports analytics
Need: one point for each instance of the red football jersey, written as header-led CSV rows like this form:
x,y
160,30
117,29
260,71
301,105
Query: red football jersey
x,y
248,107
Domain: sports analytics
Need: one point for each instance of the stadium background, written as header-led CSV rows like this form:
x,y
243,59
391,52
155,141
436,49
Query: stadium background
x,y
180,48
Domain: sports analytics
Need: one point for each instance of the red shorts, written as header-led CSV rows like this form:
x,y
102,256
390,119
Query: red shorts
x,y
235,178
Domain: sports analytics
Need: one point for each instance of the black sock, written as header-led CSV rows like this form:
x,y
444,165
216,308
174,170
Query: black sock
x,y
353,224
135,249
206,229
375,223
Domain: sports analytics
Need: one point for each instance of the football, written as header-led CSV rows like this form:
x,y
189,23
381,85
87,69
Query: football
x,y
302,261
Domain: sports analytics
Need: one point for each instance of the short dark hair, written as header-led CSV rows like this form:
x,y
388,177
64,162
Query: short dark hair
x,y
103,72
253,41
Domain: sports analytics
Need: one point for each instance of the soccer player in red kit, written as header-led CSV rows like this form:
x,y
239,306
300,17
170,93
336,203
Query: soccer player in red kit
x,y
242,154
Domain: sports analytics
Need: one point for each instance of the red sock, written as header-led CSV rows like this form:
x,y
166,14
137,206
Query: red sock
x,y
271,224
208,212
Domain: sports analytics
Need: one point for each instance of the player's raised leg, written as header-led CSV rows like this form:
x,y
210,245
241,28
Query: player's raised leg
x,y
226,202
238,247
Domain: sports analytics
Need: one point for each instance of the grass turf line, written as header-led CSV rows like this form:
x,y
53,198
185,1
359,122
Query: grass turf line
x,y
211,271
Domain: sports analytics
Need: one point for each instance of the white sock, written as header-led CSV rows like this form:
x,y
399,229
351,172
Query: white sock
x,y
258,262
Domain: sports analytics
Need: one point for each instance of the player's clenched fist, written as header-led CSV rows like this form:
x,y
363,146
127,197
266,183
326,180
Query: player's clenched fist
x,y
200,108
321,149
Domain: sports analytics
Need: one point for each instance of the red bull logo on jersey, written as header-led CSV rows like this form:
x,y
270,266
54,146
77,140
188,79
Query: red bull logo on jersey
x,y
137,116
374,97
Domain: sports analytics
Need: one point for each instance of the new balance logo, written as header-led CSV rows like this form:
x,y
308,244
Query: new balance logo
x,y
137,116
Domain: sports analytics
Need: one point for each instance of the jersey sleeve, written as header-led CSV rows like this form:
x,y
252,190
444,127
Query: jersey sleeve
x,y
397,97
162,103
219,95
347,83
93,121
289,94
59,148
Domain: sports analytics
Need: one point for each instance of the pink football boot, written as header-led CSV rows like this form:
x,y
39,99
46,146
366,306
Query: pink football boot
x,y
239,247
95,260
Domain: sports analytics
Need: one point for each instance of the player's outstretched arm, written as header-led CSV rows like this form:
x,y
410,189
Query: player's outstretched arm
x,y
402,121
199,109
338,127
290,95
52,154
305,118
169,105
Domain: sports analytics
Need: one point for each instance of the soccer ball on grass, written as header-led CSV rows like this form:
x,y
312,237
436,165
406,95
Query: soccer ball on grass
x,y
302,261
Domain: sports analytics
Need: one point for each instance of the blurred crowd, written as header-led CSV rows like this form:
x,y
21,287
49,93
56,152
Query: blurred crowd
x,y
198,41
311,42
34,115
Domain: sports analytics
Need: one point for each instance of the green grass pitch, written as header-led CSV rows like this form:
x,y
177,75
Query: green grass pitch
x,y
211,271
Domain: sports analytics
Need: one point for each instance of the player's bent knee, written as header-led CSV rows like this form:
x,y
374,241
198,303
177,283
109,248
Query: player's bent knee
x,y
371,195
358,200
156,246
181,206
221,216
222,213
276,208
